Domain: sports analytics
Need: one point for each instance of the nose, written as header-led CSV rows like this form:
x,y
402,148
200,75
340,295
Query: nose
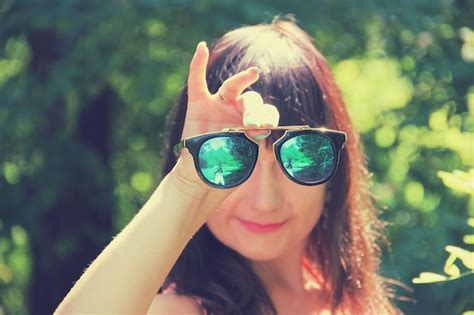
x,y
263,188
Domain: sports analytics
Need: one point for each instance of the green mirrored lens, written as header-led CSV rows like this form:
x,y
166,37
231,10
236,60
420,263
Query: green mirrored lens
x,y
226,161
308,157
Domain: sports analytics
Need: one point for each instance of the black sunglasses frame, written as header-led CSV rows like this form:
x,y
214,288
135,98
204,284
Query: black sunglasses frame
x,y
193,144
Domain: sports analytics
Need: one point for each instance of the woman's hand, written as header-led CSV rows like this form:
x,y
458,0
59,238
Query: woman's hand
x,y
208,112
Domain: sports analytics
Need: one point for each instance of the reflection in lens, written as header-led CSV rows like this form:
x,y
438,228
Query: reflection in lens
x,y
308,157
226,161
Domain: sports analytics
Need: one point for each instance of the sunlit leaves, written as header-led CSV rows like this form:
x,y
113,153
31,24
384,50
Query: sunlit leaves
x,y
141,181
459,180
385,136
465,256
469,239
429,277
399,167
371,87
450,268
414,193
467,51
439,119
453,272
452,138
13,58
15,265
470,100
158,51
11,173
155,28
6,274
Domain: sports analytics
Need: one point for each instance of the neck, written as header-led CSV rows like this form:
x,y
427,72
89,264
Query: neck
x,y
283,274
292,288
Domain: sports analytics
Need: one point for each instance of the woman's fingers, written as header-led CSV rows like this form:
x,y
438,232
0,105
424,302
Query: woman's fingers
x,y
266,116
197,85
249,101
231,89
257,114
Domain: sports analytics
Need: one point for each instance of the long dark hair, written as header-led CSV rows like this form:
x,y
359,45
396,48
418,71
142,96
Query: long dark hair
x,y
343,252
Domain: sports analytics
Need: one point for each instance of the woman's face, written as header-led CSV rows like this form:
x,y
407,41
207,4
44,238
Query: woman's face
x,y
268,197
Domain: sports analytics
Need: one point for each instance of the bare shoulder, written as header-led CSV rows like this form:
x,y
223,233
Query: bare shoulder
x,y
174,304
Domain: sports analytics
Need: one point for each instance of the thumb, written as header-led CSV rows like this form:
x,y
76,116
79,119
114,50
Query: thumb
x,y
257,114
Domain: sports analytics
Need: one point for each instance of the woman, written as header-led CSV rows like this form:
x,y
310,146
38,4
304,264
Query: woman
x,y
193,237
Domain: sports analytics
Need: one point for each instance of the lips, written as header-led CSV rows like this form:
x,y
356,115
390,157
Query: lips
x,y
261,228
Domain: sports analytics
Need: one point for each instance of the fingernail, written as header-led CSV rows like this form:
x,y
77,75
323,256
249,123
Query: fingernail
x,y
202,43
257,70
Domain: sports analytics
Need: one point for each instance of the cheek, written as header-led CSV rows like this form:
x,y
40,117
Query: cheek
x,y
302,207
216,219
310,209
221,226
219,221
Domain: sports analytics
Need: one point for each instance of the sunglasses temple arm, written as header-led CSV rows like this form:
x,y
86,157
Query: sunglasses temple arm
x,y
343,139
178,147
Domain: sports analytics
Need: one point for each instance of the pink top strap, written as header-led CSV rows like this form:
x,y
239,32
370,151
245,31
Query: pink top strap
x,y
171,289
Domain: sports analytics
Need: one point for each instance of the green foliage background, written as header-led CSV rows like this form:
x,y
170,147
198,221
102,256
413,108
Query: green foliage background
x,y
85,87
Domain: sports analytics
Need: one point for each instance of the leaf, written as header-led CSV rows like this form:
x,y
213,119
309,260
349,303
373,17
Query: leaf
x,y
470,222
465,256
468,239
459,180
429,277
452,270
449,262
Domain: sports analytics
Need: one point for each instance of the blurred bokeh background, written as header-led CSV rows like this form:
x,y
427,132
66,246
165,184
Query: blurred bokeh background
x,y
85,87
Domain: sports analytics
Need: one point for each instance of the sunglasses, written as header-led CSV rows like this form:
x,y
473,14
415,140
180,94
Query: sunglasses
x,y
225,159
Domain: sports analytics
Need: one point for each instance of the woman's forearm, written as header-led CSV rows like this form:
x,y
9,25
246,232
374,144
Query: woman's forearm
x,y
127,274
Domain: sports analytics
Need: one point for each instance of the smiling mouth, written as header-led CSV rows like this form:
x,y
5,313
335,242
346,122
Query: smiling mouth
x,y
261,228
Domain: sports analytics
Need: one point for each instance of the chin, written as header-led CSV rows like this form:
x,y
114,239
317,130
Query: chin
x,y
257,254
